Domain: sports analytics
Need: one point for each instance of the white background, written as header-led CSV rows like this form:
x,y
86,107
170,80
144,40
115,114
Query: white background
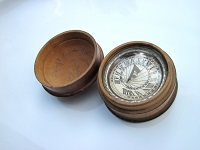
x,y
31,119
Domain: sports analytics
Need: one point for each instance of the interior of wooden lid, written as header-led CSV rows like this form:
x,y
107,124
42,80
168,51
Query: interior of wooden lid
x,y
64,59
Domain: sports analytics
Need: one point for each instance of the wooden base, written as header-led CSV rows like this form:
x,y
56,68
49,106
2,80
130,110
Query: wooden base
x,y
141,117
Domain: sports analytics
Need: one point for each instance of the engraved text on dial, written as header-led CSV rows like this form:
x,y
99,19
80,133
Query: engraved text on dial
x,y
136,77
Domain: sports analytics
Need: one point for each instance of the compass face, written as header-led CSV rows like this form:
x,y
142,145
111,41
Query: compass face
x,y
134,74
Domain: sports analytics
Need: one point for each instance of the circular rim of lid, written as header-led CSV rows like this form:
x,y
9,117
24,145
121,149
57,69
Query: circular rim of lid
x,y
56,36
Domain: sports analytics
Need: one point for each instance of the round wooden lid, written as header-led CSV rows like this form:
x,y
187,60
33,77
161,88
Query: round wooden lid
x,y
68,63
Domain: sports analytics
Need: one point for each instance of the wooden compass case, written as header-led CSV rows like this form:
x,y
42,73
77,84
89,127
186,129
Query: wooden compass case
x,y
144,110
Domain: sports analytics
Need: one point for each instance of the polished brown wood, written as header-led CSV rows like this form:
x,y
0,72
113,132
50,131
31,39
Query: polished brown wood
x,y
150,108
68,63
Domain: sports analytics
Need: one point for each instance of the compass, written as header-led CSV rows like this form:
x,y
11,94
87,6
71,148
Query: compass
x,y
137,81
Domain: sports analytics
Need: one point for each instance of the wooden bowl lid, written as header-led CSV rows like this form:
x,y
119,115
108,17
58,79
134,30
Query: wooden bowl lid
x,y
68,63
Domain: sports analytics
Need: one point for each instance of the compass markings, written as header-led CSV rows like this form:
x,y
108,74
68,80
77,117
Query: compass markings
x,y
135,77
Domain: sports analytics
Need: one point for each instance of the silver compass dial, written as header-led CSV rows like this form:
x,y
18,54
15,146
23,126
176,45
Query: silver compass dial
x,y
135,74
